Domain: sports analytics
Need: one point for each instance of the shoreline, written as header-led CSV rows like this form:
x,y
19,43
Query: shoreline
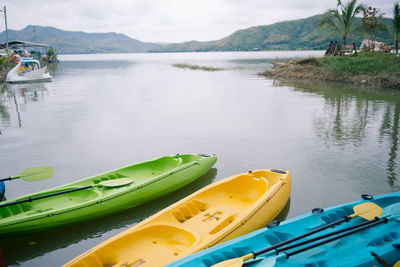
x,y
314,69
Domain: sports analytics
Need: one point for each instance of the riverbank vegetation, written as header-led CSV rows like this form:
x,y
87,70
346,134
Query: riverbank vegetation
x,y
371,67
6,64
375,69
196,67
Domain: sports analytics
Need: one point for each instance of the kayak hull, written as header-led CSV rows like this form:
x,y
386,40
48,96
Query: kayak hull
x,y
218,212
151,179
351,250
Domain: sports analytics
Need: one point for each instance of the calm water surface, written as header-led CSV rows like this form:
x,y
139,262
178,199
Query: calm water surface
x,y
102,112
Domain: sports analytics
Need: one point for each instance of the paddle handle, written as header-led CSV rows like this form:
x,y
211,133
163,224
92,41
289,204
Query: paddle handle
x,y
297,251
44,196
326,235
316,230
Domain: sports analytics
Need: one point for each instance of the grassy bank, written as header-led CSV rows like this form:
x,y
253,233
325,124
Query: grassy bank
x,y
373,69
196,67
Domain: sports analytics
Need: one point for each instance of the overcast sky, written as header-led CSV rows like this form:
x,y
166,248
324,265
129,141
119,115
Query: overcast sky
x,y
168,20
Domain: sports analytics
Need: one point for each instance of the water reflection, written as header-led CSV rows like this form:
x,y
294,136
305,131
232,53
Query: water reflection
x,y
284,212
390,128
350,117
14,97
4,106
52,68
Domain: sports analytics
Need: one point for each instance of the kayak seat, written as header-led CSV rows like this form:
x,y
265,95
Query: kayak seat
x,y
243,191
139,246
65,200
142,172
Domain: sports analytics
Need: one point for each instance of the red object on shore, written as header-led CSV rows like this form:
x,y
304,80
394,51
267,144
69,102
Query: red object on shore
x,y
3,262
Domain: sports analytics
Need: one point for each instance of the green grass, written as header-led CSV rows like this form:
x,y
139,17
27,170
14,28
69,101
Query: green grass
x,y
197,67
366,63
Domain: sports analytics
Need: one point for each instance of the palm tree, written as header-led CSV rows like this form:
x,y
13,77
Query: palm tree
x,y
341,19
396,24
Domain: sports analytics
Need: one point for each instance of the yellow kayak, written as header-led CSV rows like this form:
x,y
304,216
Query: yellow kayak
x,y
216,213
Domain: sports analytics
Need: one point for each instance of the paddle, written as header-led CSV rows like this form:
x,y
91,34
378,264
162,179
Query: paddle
x,y
394,212
279,250
108,183
271,261
297,251
33,174
367,210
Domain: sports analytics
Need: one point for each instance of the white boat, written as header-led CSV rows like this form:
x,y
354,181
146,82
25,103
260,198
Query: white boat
x,y
28,69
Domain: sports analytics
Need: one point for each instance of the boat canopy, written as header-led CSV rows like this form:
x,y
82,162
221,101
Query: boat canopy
x,y
24,44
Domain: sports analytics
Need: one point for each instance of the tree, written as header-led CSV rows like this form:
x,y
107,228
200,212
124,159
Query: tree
x,y
396,24
371,22
341,18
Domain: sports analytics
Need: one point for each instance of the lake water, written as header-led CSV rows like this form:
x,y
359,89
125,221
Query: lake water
x,y
101,112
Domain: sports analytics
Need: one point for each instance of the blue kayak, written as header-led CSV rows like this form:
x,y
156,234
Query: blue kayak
x,y
2,190
360,233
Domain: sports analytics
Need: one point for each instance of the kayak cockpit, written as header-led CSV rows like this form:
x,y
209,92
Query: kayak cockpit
x,y
165,239
41,206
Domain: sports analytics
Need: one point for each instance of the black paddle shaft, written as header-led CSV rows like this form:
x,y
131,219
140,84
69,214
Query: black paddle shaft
x,y
6,179
44,196
326,235
297,251
316,230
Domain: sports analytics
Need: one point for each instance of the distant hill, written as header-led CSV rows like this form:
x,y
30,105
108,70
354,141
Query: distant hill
x,y
302,34
288,35
67,42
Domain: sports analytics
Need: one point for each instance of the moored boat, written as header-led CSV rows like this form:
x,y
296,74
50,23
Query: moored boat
x,y
218,212
28,69
100,195
360,233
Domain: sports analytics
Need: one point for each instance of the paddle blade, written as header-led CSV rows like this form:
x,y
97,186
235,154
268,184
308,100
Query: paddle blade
x,y
116,182
236,262
36,173
367,210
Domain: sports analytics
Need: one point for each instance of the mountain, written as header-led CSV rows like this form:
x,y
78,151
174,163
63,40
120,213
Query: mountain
x,y
67,42
299,34
288,35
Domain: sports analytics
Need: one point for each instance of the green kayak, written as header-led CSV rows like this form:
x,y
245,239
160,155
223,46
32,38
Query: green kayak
x,y
100,195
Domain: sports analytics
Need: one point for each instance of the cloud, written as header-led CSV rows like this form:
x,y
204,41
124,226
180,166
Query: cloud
x,y
167,21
